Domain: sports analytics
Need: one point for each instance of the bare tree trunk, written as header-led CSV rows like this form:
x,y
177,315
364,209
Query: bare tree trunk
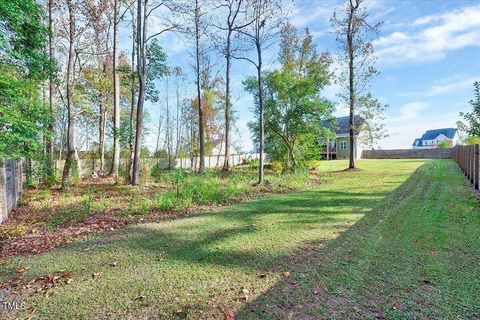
x,y
116,95
157,146
52,93
260,105
132,106
62,135
101,133
226,164
168,126
141,69
201,128
220,152
177,120
328,149
72,156
351,164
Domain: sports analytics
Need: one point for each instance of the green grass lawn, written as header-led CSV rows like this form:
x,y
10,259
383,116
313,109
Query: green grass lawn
x,y
399,239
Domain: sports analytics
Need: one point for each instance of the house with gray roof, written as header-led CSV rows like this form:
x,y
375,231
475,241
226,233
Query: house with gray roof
x,y
339,148
431,138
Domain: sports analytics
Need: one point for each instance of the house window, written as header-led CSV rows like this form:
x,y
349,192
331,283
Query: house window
x,y
343,145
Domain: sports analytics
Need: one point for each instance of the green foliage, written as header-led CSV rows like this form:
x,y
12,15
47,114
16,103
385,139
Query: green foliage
x,y
156,68
445,144
23,37
275,166
471,120
312,164
22,115
24,64
293,107
470,140
373,112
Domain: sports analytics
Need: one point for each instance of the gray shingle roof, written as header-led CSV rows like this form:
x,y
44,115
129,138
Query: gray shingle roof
x,y
342,125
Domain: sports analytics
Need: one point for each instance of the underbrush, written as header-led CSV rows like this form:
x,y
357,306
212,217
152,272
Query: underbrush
x,y
163,191
189,189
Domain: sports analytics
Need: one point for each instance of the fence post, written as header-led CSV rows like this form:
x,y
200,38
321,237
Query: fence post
x,y
3,192
476,153
472,164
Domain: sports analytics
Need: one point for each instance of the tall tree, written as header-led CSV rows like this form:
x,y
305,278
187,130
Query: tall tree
x,y
354,38
72,162
201,128
471,120
133,91
294,107
52,92
267,18
97,74
179,77
235,20
116,93
144,11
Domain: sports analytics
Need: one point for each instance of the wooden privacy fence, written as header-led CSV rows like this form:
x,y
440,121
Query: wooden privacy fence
x,y
468,158
12,178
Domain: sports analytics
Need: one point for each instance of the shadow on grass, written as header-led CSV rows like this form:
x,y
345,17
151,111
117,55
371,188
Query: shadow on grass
x,y
299,211
233,238
336,279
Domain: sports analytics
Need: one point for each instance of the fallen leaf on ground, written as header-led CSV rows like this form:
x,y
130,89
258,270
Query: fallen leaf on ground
x,y
139,298
286,274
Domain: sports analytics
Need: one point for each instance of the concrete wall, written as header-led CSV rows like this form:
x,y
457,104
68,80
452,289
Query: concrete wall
x,y
408,154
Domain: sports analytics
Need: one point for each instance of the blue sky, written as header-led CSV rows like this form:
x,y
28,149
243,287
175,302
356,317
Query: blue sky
x,y
428,57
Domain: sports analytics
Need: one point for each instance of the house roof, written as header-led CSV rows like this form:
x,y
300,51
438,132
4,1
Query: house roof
x,y
432,134
342,125
417,143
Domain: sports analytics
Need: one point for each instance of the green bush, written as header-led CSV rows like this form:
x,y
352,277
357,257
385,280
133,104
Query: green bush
x,y
312,164
276,166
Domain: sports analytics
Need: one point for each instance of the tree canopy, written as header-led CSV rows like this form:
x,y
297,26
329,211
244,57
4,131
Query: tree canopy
x,y
294,107
24,64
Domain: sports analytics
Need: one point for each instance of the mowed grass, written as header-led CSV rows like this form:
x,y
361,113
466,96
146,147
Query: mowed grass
x,y
399,239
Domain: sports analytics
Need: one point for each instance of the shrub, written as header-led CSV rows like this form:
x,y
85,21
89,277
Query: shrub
x,y
312,164
276,166
12,230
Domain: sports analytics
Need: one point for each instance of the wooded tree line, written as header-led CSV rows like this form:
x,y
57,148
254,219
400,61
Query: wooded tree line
x,y
68,91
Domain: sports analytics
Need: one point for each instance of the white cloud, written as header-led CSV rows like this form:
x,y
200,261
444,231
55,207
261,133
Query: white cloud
x,y
451,84
411,111
432,37
301,17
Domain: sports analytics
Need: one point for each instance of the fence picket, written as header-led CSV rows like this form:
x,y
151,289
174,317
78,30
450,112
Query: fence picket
x,y
468,159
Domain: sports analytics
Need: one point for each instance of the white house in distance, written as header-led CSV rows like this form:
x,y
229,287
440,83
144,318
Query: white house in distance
x,y
431,138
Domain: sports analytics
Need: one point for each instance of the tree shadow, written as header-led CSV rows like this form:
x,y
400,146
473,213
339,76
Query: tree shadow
x,y
337,279
310,210
352,218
